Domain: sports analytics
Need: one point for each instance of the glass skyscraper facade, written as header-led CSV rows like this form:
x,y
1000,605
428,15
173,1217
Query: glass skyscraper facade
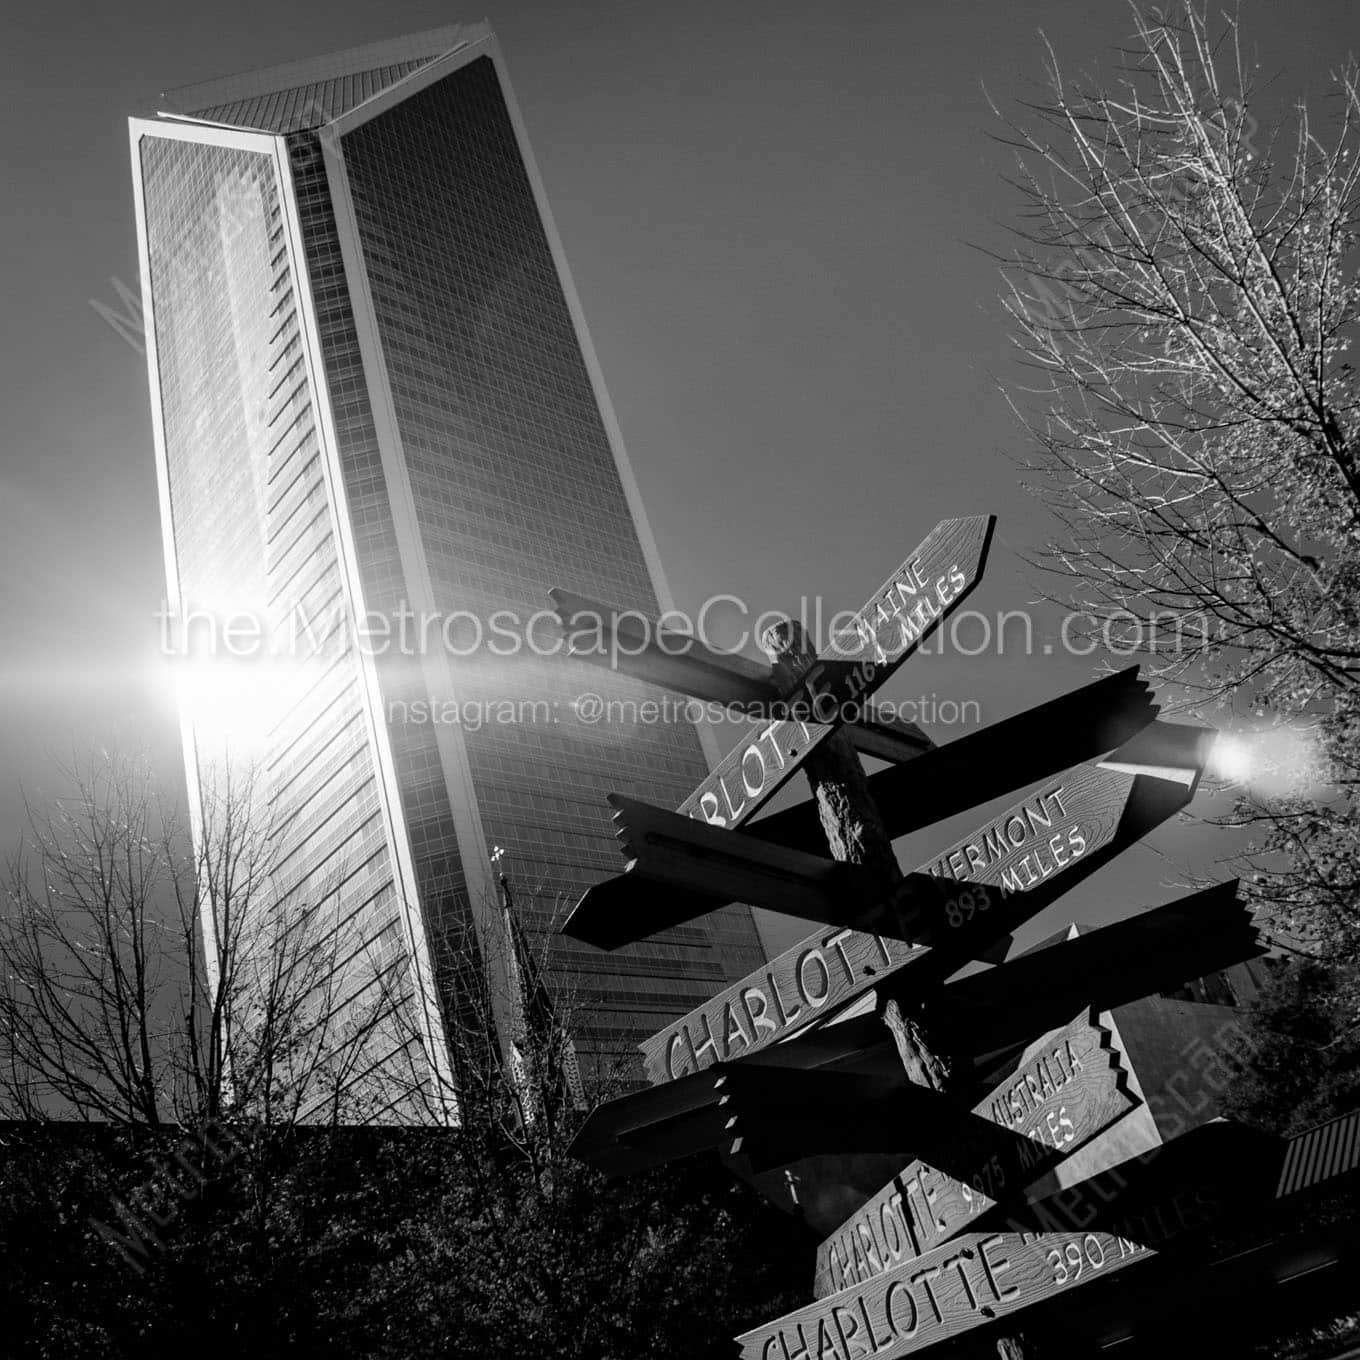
x,y
373,397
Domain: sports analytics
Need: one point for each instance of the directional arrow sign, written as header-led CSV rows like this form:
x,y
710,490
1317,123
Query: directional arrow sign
x,y
801,985
1007,871
990,763
628,641
964,1284
1003,1007
974,769
1155,950
1067,1087
1030,842
650,1127
932,582
983,1156
1082,1235
776,1114
678,850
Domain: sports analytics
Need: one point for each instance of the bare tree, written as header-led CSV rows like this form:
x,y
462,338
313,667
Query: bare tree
x,y
152,977
1184,293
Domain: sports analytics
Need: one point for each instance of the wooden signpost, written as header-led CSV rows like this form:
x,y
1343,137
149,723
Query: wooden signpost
x,y
617,638
1151,952
774,1114
1114,964
1037,1253
932,582
992,762
625,640
1004,873
773,1069
1037,837
1032,745
669,848
1043,834
975,1280
928,586
716,1107
817,977
1067,1087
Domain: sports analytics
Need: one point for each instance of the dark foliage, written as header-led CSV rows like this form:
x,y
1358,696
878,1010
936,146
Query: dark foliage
x,y
378,1244
1301,1062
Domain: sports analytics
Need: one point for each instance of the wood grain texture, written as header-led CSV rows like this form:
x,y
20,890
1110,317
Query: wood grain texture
x,y
979,1279
1019,863
817,976
1033,1254
1068,1086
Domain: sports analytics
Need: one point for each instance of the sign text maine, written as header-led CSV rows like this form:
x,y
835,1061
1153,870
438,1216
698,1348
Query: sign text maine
x,y
932,582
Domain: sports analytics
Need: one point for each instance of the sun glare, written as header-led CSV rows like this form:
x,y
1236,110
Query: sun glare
x,y
1230,759
1272,761
234,705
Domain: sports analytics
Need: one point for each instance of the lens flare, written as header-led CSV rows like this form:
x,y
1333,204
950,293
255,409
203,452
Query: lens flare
x,y
1230,758
234,705
1275,761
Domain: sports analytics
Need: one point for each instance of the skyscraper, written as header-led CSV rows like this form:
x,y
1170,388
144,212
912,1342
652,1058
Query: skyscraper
x,y
374,398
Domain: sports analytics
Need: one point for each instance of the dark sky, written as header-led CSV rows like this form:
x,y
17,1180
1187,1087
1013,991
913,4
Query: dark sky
x,y
766,207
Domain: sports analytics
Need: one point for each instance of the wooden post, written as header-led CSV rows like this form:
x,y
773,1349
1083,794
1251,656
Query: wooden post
x,y
855,834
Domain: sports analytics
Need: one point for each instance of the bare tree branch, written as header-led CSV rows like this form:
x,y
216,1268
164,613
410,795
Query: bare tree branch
x,y
1183,286
150,977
